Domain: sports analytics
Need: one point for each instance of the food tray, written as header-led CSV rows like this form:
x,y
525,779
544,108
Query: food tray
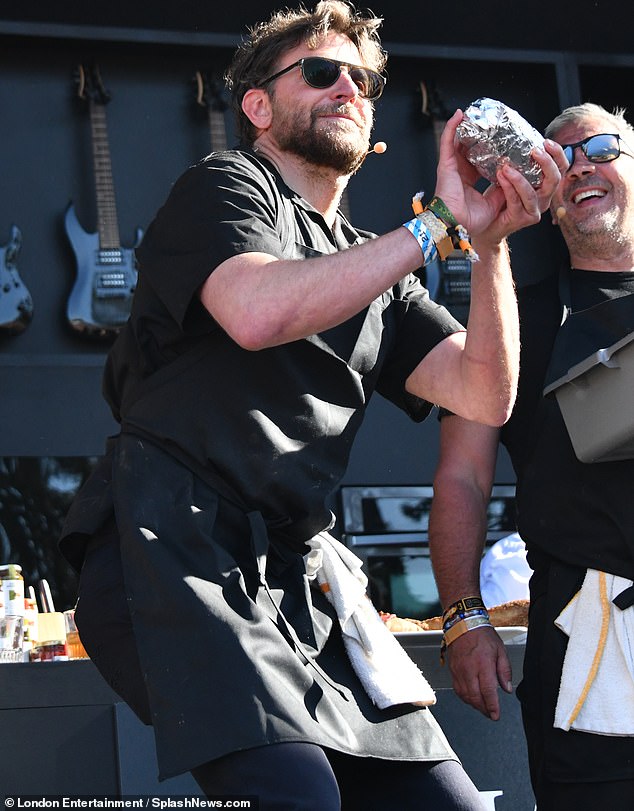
x,y
511,635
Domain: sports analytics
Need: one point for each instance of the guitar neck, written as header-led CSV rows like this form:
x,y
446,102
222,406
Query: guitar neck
x,y
438,126
107,224
217,129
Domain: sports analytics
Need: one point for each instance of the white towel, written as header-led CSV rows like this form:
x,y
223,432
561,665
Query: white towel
x,y
387,673
597,681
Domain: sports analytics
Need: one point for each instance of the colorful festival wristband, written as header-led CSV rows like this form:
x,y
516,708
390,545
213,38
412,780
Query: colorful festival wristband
x,y
424,238
463,615
459,629
463,605
455,234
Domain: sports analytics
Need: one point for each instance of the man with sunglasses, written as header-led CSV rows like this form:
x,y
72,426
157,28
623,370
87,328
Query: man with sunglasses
x,y
262,323
576,516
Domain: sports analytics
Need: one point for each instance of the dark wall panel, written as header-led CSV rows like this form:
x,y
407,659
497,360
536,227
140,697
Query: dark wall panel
x,y
561,25
155,130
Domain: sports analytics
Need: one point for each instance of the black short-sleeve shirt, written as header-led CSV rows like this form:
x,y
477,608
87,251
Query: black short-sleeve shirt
x,y
275,425
581,513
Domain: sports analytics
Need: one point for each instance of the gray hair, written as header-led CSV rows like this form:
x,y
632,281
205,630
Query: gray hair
x,y
579,112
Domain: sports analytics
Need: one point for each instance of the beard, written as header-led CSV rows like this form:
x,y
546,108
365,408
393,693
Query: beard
x,y
327,147
599,235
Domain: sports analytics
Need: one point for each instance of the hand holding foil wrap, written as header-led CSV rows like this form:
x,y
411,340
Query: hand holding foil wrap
x,y
494,135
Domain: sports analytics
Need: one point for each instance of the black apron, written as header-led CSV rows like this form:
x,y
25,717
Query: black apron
x,y
236,648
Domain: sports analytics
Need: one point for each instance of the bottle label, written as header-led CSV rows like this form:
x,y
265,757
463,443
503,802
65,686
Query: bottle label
x,y
13,593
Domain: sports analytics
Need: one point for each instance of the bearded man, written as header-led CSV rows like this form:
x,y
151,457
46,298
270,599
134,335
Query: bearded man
x,y
262,323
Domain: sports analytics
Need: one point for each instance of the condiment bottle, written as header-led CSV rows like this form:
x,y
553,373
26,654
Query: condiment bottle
x,y
51,643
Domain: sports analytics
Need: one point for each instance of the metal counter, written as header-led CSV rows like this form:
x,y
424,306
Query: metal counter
x,y
63,731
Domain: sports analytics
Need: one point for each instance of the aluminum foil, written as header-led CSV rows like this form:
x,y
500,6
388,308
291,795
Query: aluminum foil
x,y
495,134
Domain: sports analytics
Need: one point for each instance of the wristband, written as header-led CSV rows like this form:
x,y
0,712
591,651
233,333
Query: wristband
x,y
463,605
463,626
456,234
462,615
424,238
440,234
439,208
459,629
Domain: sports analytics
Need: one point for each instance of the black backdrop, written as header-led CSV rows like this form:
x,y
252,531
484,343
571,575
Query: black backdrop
x,y
562,25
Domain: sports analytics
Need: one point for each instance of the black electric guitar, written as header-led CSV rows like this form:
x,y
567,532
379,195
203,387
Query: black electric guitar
x,y
100,300
448,280
210,94
16,305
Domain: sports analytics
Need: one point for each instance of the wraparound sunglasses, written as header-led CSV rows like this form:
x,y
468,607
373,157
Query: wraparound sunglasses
x,y
321,72
601,148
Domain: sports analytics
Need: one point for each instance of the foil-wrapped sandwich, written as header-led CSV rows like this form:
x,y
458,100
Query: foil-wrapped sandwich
x,y
495,134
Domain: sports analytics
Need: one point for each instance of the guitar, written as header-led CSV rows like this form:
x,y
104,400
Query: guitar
x,y
16,305
210,93
100,300
448,280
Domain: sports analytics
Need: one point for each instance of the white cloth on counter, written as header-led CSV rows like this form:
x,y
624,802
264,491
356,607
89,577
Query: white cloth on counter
x,y
504,572
387,673
597,682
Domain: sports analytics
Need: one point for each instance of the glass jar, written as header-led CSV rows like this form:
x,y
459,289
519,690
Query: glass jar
x,y
74,644
12,589
51,640
51,651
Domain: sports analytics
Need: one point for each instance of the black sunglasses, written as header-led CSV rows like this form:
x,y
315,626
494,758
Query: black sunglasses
x,y
321,72
601,148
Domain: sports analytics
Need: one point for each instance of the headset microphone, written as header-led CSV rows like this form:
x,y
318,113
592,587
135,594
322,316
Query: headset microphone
x,y
379,148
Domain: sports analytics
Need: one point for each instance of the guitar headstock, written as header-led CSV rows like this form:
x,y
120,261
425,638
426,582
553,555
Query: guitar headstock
x,y
433,108
434,113
90,85
211,91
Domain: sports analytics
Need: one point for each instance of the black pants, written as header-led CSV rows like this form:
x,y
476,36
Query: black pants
x,y
293,776
570,771
302,777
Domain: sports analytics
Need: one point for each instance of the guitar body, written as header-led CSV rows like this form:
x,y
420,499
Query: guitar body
x,y
101,297
16,305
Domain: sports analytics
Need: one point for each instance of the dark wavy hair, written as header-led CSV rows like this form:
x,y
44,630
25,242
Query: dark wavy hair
x,y
257,56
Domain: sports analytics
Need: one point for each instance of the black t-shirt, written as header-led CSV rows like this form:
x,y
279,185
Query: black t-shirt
x,y
276,426
581,513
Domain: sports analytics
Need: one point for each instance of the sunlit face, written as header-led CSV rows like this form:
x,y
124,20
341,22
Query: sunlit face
x,y
330,127
598,198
